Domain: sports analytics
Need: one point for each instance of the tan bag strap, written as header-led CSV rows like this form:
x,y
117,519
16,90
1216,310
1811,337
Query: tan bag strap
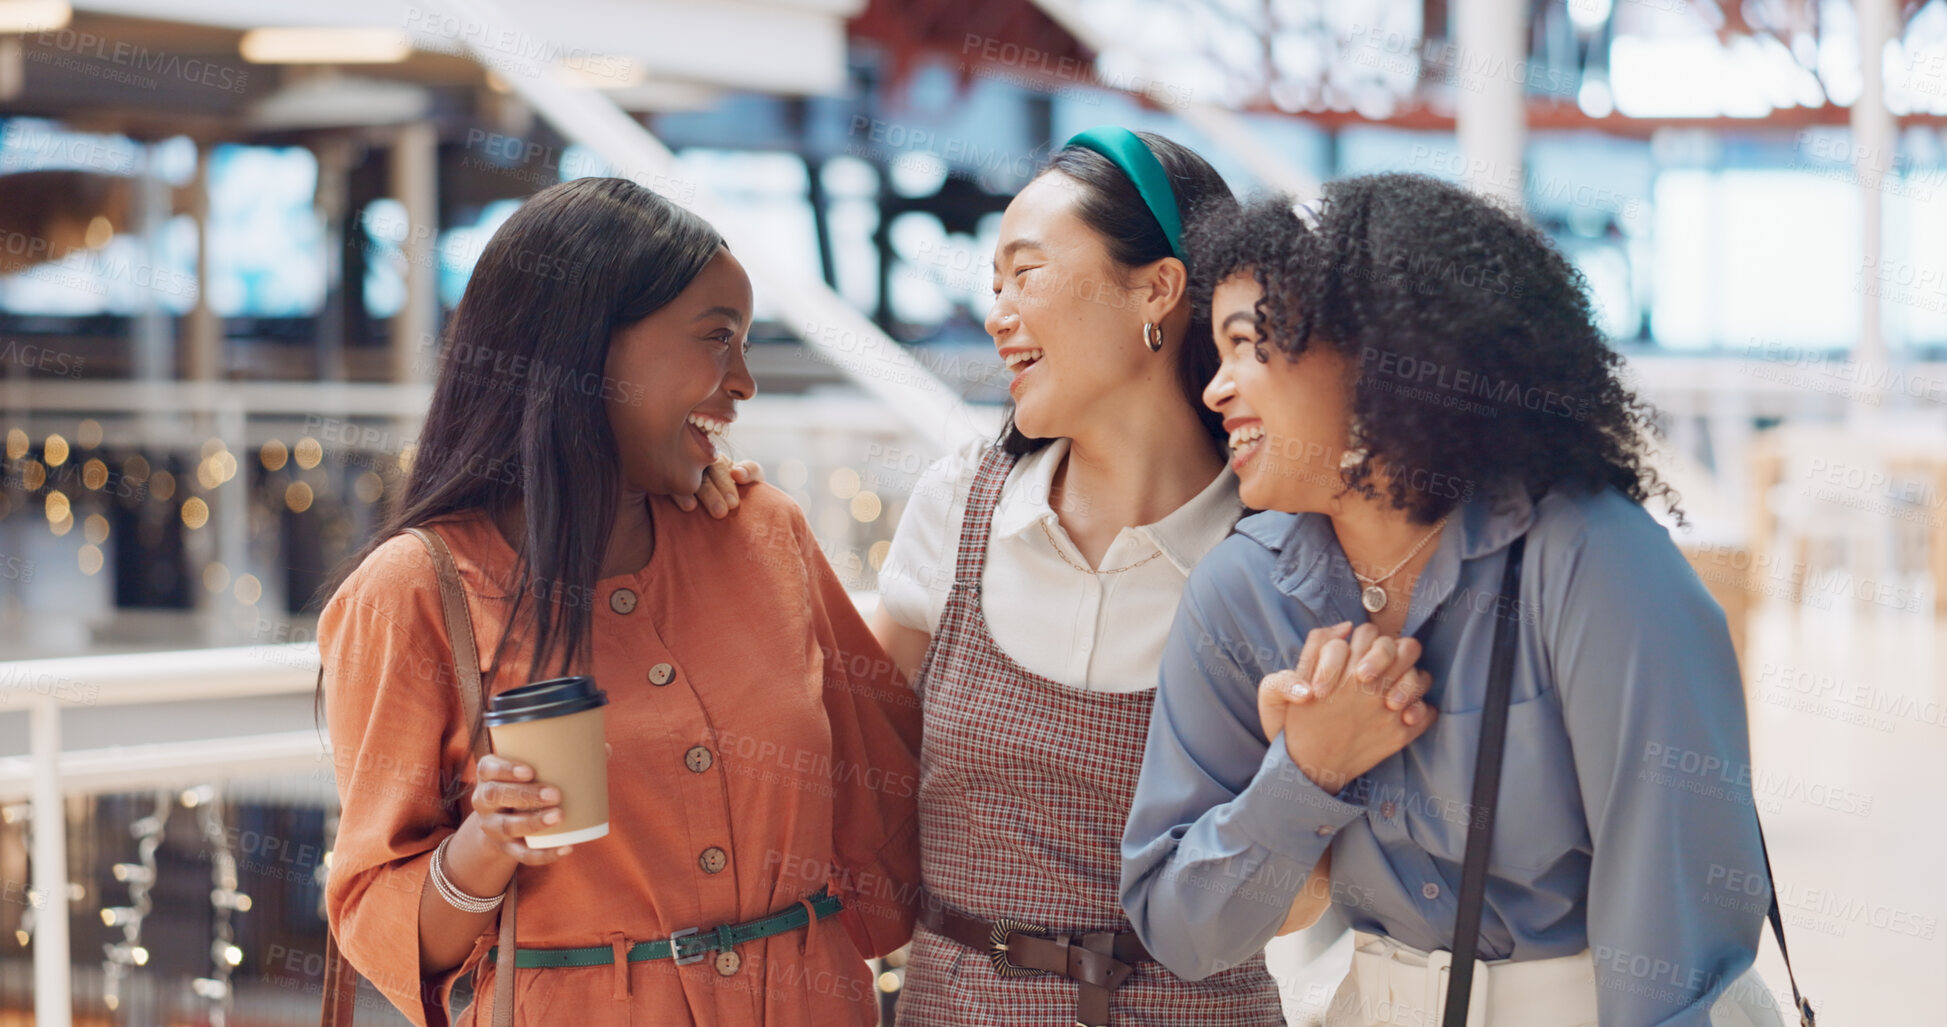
x,y
466,667
341,981
340,985
459,627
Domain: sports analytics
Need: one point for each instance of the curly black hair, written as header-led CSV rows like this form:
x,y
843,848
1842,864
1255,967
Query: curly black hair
x,y
1480,364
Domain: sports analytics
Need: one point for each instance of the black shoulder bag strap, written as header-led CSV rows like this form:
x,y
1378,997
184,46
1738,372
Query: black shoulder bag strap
x,y
1806,1018
1487,788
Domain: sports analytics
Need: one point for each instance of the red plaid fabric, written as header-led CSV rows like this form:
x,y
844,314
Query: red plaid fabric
x,y
1024,788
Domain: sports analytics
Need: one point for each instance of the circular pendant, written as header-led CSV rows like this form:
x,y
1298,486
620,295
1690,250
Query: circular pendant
x,y
1373,598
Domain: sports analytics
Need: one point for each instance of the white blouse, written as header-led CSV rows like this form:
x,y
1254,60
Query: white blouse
x,y
1101,632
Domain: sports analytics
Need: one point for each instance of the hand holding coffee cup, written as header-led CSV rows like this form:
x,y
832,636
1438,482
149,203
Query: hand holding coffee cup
x,y
548,734
509,805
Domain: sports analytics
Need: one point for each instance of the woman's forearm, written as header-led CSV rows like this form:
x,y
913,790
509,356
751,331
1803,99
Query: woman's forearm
x,y
906,646
447,933
1314,897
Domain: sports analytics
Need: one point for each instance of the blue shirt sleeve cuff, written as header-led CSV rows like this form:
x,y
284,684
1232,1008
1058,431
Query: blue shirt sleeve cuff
x,y
1284,811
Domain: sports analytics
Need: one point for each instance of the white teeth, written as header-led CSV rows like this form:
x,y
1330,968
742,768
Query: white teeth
x,y
1246,435
708,426
1016,360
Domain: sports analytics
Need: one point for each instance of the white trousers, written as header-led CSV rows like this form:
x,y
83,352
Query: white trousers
x,y
1395,985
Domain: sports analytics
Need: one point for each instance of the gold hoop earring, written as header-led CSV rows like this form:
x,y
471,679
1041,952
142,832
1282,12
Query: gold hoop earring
x,y
1153,336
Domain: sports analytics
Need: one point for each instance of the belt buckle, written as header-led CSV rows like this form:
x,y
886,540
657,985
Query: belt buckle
x,y
675,950
997,945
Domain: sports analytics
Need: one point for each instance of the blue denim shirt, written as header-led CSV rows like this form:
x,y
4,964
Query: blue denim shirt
x,y
1625,822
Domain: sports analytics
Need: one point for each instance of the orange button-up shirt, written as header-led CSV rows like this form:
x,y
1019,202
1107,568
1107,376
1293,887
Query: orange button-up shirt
x,y
736,639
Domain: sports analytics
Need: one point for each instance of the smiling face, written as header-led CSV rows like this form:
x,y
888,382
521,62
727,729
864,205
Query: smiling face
x,y
674,379
1067,319
1287,418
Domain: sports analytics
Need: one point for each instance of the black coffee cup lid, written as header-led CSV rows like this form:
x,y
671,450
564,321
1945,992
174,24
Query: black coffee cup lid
x,y
556,697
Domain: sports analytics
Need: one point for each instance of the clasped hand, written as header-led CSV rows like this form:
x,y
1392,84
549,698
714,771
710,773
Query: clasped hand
x,y
1350,702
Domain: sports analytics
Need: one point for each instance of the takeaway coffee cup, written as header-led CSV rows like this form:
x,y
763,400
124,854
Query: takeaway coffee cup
x,y
555,727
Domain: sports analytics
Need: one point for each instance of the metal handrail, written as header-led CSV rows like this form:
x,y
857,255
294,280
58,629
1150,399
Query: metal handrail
x,y
48,687
141,768
152,677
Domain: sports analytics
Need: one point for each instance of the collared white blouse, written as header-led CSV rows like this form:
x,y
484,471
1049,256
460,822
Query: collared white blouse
x,y
1100,632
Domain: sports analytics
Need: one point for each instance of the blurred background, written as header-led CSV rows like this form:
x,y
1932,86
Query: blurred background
x,y
231,232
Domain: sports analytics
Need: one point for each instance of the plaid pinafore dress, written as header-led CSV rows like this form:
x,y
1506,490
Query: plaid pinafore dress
x,y
1025,785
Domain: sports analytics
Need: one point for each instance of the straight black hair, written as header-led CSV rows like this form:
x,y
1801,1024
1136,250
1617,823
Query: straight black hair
x,y
513,420
1111,206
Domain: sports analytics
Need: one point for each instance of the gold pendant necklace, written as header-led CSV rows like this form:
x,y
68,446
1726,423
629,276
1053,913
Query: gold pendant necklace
x,y
1373,597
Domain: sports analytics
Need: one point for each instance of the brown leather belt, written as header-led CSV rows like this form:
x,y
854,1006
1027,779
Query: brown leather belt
x,y
1098,962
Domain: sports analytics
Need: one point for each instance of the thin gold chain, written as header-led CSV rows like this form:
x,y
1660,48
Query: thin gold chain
x,y
1409,556
1091,570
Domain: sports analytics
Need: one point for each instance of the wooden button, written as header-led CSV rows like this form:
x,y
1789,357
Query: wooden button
x,y
698,759
713,860
621,601
728,963
662,674
1387,809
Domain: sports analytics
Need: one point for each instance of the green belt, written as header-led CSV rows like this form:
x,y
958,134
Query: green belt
x,y
689,944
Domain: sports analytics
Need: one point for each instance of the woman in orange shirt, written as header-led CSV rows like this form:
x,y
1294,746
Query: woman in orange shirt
x,y
761,747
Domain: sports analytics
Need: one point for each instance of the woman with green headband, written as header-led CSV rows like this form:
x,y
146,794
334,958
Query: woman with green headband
x,y
1028,591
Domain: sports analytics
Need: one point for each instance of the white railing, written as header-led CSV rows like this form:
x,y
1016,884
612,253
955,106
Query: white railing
x,y
45,688
47,774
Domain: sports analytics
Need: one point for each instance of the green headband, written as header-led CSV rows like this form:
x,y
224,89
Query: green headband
x,y
1126,151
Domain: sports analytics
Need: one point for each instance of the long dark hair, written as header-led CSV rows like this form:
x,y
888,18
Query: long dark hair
x,y
1112,207
514,419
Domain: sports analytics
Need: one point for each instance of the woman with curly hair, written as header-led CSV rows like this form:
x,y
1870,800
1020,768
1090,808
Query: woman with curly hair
x,y
1416,394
